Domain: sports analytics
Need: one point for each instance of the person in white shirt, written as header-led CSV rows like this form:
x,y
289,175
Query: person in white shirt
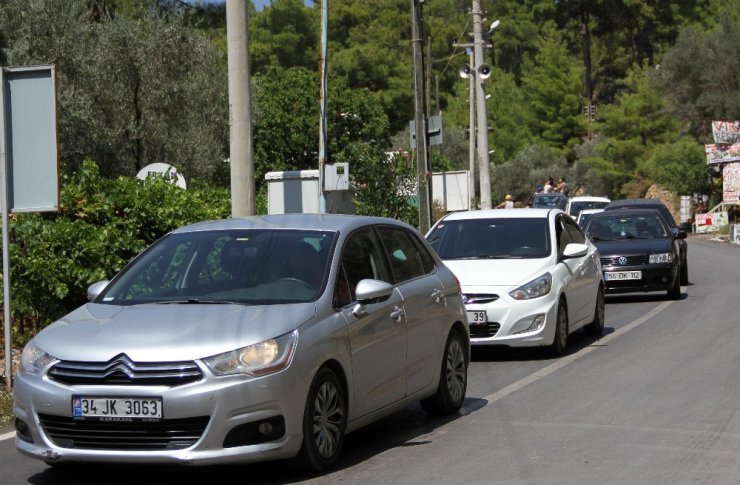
x,y
508,203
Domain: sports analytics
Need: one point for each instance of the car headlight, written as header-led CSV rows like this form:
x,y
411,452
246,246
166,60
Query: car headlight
x,y
660,258
33,359
256,360
536,288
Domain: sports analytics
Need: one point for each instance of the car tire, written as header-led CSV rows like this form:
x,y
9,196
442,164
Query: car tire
x,y
324,422
560,341
674,292
684,272
453,379
596,327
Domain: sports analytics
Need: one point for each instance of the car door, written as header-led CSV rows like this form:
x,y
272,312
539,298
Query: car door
x,y
378,336
423,298
580,278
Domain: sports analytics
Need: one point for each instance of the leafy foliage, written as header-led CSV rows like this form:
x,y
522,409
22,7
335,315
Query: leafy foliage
x,y
101,225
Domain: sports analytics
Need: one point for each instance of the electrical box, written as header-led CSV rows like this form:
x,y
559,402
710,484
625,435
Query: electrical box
x,y
336,177
297,191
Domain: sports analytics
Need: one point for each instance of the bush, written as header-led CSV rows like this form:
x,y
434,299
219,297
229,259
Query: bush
x,y
101,224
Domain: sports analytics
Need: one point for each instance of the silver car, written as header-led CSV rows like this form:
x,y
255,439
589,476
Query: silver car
x,y
245,340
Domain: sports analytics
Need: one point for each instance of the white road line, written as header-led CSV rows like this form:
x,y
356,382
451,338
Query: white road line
x,y
512,388
7,436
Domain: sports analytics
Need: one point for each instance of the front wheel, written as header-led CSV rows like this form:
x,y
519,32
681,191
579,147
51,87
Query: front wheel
x,y
453,379
560,342
324,422
596,327
684,272
674,292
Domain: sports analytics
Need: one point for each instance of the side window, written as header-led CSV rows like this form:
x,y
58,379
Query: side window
x,y
406,260
361,259
562,234
575,233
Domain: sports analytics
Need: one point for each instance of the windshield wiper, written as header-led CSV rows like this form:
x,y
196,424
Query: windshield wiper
x,y
489,256
198,301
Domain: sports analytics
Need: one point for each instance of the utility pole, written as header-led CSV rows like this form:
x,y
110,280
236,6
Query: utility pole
x,y
323,104
482,114
425,214
240,111
471,137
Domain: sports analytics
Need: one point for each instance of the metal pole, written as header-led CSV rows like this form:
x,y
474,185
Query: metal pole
x,y
420,119
4,206
323,103
472,135
483,161
240,111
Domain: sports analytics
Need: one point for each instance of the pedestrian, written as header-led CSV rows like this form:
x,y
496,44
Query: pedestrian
x,y
508,203
563,186
549,186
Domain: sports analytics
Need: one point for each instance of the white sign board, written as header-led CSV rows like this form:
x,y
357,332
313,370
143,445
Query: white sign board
x,y
164,171
450,190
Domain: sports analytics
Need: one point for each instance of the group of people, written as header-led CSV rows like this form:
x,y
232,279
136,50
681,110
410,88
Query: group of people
x,y
548,187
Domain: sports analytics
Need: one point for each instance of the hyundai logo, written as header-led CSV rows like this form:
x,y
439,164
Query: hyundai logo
x,y
622,261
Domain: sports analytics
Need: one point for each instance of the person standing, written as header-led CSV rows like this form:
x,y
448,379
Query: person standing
x,y
563,186
549,186
508,203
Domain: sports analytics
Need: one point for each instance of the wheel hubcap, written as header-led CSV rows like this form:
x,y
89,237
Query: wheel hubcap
x,y
328,418
456,371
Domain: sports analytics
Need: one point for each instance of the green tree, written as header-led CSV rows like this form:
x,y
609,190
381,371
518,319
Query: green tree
x,y
678,166
284,34
132,91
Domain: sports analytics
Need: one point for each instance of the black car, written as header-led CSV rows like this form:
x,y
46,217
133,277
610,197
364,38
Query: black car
x,y
639,251
549,200
663,210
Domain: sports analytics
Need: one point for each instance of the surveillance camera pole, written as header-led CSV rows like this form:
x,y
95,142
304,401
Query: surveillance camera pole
x,y
482,114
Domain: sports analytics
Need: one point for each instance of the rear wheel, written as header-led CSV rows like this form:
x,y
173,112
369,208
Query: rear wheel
x,y
684,272
324,422
560,342
453,379
674,292
596,327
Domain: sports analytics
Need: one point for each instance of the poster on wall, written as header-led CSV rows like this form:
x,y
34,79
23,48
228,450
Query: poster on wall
x,y
731,183
722,153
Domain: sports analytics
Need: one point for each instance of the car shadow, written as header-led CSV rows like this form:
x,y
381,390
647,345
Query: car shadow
x,y
642,297
410,426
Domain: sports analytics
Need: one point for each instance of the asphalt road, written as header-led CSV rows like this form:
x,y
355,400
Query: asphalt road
x,y
654,400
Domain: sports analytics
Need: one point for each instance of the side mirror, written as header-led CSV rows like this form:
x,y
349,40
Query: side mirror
x,y
95,289
370,291
685,227
575,250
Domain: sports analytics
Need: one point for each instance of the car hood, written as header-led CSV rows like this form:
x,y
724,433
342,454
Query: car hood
x,y
166,332
497,272
625,247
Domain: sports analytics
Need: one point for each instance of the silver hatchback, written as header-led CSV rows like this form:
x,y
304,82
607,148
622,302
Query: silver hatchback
x,y
245,340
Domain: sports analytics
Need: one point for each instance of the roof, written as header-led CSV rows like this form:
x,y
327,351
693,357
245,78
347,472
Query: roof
x,y
320,222
589,198
528,213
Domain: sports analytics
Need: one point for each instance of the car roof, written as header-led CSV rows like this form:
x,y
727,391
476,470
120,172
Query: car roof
x,y
589,198
321,222
550,194
528,213
643,203
628,212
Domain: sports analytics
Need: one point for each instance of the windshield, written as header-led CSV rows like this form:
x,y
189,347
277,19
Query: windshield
x,y
549,201
491,238
606,228
576,207
264,266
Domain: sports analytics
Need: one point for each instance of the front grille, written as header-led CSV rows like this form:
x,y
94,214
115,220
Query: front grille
x,y
629,260
165,434
489,329
121,370
479,298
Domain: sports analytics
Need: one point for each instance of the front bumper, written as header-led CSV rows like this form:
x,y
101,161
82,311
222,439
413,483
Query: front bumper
x,y
226,402
655,277
509,321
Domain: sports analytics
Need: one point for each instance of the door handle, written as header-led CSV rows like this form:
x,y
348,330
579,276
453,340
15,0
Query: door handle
x,y
437,295
397,313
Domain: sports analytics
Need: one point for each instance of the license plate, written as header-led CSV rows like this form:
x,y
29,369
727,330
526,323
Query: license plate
x,y
622,275
477,317
117,407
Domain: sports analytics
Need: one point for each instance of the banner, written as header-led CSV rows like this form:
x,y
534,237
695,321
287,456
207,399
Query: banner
x,y
726,131
722,153
731,183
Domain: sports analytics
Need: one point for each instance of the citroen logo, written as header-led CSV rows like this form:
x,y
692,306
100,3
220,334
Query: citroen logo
x,y
120,364
622,261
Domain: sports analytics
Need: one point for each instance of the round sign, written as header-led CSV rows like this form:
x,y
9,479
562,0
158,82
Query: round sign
x,y
162,170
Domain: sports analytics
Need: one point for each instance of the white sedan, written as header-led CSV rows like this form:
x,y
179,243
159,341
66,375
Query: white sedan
x,y
529,277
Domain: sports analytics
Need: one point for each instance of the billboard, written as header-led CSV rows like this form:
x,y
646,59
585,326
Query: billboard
x,y
731,183
722,153
726,132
